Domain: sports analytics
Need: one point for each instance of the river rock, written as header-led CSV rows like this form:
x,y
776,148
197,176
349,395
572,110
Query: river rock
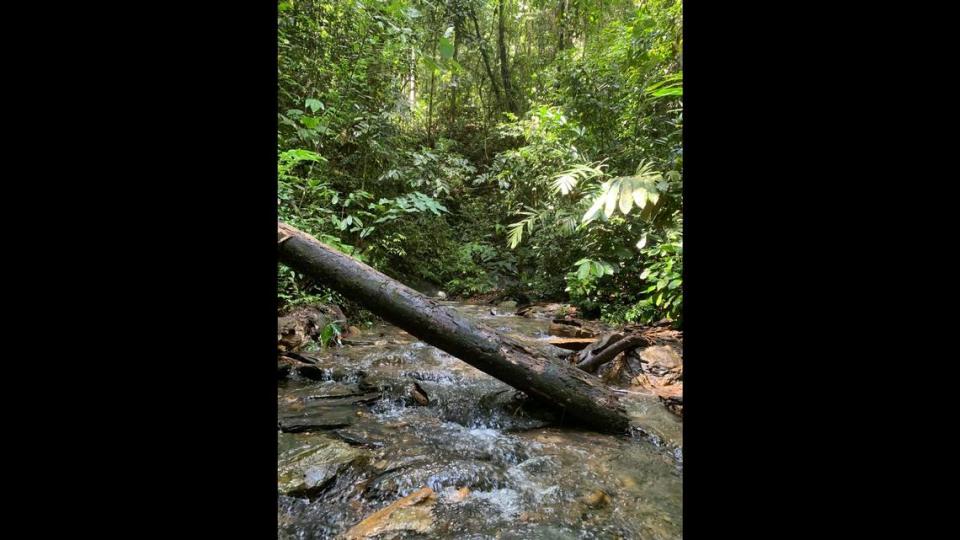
x,y
419,395
546,311
596,499
663,357
459,495
308,462
411,513
574,328
328,406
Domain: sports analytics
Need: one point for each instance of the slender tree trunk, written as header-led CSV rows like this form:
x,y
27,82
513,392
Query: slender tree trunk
x,y
504,61
524,365
456,79
561,25
413,79
433,76
486,59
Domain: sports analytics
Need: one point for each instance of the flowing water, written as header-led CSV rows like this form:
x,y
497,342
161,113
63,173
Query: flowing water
x,y
355,439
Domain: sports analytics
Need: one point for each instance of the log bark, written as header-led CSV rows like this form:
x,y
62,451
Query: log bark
x,y
592,362
526,366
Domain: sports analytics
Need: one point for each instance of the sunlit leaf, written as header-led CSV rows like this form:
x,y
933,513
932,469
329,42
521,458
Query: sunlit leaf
x,y
640,196
626,197
597,205
515,234
611,198
669,91
564,183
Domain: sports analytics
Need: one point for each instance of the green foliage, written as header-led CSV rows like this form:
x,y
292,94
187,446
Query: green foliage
x,y
330,332
407,141
625,191
664,272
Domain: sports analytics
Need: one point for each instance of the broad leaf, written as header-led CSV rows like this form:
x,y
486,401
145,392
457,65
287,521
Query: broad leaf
x,y
626,196
611,198
564,183
597,205
446,48
640,197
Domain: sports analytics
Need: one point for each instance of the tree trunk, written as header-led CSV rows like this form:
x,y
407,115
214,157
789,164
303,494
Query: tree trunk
x,y
561,24
412,98
433,73
455,81
504,61
526,366
486,59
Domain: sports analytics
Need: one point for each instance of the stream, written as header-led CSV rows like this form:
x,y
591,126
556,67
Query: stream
x,y
357,435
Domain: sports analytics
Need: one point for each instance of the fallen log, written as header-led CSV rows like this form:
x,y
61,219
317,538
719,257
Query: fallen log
x,y
592,362
524,365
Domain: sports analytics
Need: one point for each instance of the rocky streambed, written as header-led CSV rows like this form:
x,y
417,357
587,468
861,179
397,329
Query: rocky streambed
x,y
388,437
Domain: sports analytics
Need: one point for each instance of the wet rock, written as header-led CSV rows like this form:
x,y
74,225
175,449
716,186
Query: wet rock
x,y
411,513
576,328
419,395
662,374
303,324
509,304
314,373
673,404
505,409
661,356
369,435
308,463
546,311
285,366
570,344
596,499
460,495
629,482
329,407
401,476
528,517
568,330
